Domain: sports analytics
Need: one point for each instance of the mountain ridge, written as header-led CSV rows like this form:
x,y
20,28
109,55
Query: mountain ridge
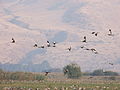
x,y
66,22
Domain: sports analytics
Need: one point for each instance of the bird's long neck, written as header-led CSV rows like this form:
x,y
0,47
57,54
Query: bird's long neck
x,y
110,32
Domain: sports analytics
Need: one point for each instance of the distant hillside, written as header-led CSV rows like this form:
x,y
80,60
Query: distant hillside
x,y
66,22
26,67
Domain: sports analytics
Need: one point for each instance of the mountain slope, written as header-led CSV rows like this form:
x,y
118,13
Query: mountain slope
x,y
65,22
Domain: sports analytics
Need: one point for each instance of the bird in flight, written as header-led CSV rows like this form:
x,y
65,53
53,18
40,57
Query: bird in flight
x,y
46,73
42,47
35,45
92,49
13,40
111,63
54,43
69,48
48,44
110,32
84,39
95,33
82,47
65,70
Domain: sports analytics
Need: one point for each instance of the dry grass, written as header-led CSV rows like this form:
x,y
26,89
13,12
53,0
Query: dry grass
x,y
56,81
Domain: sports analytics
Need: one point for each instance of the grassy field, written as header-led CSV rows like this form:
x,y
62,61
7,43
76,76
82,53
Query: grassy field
x,y
58,82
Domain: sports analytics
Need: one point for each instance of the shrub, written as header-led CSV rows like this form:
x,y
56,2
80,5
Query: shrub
x,y
98,72
39,77
72,71
110,73
112,78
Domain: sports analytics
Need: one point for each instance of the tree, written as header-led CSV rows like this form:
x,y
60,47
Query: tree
x,y
72,71
110,73
98,72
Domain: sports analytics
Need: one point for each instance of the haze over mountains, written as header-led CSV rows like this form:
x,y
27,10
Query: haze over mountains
x,y
65,22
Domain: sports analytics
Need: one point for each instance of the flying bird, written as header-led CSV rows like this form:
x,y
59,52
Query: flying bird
x,y
95,52
65,70
96,34
46,73
87,49
84,39
93,32
93,49
111,63
69,48
110,32
54,43
48,44
13,40
35,45
41,47
82,47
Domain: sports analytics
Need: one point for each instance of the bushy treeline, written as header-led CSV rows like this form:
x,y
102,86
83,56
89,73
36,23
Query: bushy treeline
x,y
100,72
72,71
20,76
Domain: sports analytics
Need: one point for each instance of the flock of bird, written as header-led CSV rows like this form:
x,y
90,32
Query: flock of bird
x,y
70,48
54,43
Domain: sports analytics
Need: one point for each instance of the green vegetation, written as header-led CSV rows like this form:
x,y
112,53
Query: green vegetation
x,y
67,85
20,76
100,72
26,80
110,73
72,71
39,77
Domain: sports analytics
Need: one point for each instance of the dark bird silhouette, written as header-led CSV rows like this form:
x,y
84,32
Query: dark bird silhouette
x,y
69,48
96,34
46,73
41,47
84,39
111,63
48,44
35,45
65,70
95,52
54,44
93,32
13,40
93,49
110,32
82,47
87,49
